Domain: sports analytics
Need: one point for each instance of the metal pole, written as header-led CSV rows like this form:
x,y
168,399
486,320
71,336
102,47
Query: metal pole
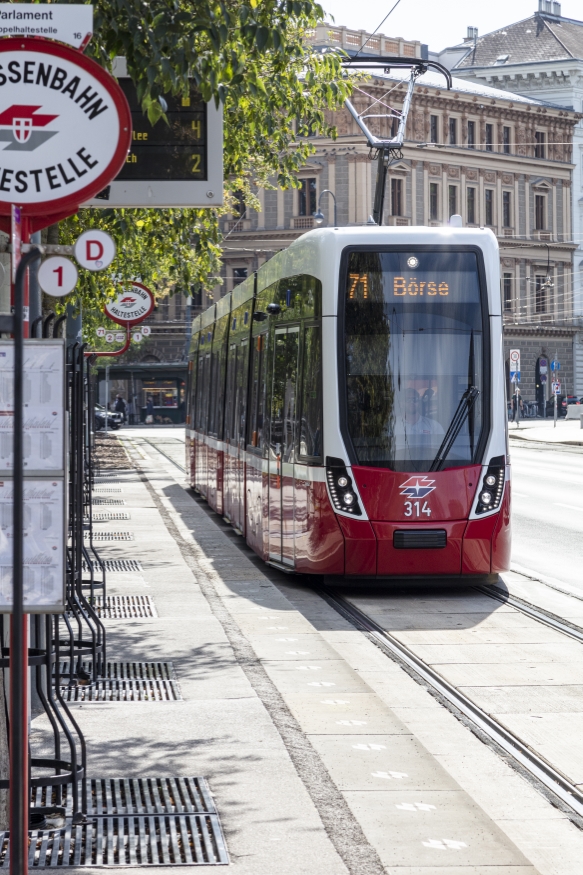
x,y
106,395
19,789
327,191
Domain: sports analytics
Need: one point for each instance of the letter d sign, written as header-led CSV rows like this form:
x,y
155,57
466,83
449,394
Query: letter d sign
x,y
94,250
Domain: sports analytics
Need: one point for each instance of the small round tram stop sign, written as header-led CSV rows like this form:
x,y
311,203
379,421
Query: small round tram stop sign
x,y
65,127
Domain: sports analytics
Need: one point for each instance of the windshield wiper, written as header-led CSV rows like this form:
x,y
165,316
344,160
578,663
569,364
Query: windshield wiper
x,y
464,408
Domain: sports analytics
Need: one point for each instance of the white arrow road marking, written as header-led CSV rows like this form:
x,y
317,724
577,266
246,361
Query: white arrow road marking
x,y
389,775
369,746
444,844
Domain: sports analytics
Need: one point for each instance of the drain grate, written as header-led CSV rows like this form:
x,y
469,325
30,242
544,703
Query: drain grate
x,y
111,501
127,682
103,489
110,536
121,565
154,840
125,607
104,516
142,671
108,797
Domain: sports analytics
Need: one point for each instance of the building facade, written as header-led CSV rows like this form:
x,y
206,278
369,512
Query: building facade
x,y
539,57
467,152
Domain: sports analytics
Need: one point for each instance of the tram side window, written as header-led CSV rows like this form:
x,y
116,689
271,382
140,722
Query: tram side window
x,y
257,407
240,402
213,399
310,444
230,396
203,393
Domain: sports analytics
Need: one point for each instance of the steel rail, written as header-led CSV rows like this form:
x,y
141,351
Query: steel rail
x,y
552,779
531,611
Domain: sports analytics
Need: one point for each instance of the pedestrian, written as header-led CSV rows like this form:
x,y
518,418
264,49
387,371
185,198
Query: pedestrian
x,y
120,407
517,406
130,411
150,410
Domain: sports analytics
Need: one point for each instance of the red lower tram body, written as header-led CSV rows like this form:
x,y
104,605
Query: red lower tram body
x,y
288,519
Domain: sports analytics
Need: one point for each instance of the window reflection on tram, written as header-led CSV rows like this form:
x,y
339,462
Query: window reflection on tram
x,y
413,347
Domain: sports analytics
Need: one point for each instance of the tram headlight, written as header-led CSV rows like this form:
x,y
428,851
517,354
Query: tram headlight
x,y
340,489
490,495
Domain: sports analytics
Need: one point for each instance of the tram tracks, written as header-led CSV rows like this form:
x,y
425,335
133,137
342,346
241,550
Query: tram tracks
x,y
529,760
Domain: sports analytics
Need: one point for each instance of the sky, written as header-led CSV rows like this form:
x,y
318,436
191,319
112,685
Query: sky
x,y
439,23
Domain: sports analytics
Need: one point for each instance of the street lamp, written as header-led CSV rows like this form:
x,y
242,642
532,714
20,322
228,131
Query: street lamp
x,y
319,216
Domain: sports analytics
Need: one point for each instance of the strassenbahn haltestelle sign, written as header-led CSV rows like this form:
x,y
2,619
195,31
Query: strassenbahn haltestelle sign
x,y
65,127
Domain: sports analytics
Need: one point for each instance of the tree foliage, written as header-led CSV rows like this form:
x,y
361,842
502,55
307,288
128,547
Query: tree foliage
x,y
249,55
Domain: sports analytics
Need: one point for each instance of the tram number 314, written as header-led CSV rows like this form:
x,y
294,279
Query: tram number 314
x,y
413,508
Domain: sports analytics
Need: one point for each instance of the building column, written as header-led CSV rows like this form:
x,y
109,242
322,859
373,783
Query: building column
x,y
499,220
527,208
445,196
280,208
425,194
554,235
261,213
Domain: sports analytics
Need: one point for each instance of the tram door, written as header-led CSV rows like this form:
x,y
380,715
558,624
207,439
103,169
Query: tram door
x,y
282,444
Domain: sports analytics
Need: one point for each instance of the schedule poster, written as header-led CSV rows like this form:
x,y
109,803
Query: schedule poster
x,y
44,406
44,545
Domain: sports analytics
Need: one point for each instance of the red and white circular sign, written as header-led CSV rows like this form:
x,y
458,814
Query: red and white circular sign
x,y
132,305
100,332
65,127
146,330
94,250
57,276
109,337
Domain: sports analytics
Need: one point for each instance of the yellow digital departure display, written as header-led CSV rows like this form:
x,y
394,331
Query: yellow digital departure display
x,y
412,286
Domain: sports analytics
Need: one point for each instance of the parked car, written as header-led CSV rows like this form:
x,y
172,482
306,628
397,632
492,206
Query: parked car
x,y
570,399
113,419
561,408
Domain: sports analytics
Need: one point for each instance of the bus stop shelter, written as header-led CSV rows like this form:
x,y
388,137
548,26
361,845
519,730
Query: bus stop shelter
x,y
164,382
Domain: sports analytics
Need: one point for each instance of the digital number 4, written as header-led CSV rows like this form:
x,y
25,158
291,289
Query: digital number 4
x,y
413,508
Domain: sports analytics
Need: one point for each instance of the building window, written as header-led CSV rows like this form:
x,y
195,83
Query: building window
x,y
506,140
489,206
239,274
540,294
434,128
307,199
239,206
396,197
453,132
507,209
452,198
394,127
507,291
471,135
433,200
489,138
471,198
539,144
539,212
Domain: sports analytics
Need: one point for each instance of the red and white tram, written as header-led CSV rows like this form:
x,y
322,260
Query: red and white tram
x,y
346,405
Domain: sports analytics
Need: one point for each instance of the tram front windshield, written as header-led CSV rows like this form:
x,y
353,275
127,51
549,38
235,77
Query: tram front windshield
x,y
414,350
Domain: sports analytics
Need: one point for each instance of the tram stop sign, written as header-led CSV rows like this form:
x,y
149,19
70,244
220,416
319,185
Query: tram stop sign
x,y
65,128
132,305
515,366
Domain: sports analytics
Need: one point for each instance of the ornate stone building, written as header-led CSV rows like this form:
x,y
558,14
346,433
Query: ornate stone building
x,y
500,160
539,57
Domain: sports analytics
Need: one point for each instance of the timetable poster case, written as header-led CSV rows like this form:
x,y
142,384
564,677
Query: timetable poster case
x,y
44,545
44,407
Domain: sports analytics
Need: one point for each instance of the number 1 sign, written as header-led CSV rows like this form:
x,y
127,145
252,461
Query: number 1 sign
x,y
57,276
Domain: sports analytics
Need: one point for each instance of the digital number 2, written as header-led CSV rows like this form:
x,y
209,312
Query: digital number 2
x,y
196,163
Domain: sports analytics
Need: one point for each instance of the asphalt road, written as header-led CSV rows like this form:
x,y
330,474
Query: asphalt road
x,y
547,513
